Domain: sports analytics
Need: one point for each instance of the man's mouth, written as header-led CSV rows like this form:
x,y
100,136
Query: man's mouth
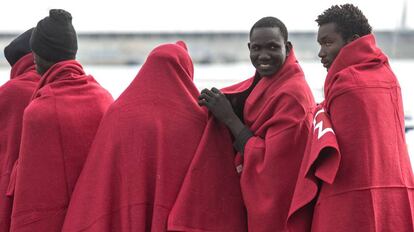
x,y
264,66
325,63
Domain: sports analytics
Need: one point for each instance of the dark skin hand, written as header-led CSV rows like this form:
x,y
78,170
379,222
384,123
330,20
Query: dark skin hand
x,y
221,108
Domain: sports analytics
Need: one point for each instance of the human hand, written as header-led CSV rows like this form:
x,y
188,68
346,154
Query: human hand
x,y
218,104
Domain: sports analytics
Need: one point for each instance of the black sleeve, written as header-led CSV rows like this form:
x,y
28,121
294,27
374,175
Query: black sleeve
x,y
241,139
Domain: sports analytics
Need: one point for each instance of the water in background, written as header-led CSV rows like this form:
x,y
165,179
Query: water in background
x,y
117,78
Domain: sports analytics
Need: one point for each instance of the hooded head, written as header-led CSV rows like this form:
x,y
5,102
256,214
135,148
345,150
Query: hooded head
x,y
18,48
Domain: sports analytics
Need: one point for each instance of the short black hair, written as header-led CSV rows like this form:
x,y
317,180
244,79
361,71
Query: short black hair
x,y
271,22
348,18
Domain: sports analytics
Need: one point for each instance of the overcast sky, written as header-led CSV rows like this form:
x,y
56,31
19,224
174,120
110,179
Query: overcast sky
x,y
193,15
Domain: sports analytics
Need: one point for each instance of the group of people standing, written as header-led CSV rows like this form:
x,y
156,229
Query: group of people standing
x,y
259,155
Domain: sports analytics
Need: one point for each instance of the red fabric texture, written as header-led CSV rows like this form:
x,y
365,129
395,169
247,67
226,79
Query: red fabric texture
x,y
14,97
319,166
373,189
279,113
210,198
143,151
58,128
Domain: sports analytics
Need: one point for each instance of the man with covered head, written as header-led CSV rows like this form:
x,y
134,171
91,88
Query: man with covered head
x,y
269,116
372,189
14,97
58,127
143,150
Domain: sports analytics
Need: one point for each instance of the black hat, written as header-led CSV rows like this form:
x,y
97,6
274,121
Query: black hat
x,y
18,48
54,38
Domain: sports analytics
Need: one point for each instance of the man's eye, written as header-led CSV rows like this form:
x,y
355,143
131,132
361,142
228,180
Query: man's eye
x,y
328,44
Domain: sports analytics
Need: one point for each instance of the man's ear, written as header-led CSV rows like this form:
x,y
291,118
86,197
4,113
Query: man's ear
x,y
248,45
352,38
288,47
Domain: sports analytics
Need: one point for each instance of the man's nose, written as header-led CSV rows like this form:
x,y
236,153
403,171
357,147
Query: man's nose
x,y
321,53
264,55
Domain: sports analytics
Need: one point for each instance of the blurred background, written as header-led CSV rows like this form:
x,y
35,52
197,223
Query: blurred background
x,y
115,37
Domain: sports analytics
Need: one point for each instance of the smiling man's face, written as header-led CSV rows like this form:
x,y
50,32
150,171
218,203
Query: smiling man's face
x,y
267,50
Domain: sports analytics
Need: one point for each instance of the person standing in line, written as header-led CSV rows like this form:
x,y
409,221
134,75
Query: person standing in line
x,y
373,186
269,116
15,95
59,125
141,155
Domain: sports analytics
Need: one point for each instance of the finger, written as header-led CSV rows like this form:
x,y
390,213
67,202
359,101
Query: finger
x,y
203,103
215,90
207,91
205,97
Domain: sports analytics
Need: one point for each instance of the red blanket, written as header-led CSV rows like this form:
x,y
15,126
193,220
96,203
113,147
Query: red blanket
x,y
58,127
143,149
319,166
278,111
373,189
14,97
210,198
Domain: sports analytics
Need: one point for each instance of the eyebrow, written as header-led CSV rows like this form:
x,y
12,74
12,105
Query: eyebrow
x,y
323,38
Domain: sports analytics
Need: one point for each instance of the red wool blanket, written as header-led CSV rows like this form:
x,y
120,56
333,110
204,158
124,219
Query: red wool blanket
x,y
373,187
15,95
58,128
278,111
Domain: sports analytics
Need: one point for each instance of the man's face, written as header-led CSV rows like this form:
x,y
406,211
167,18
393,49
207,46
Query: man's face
x,y
267,50
331,43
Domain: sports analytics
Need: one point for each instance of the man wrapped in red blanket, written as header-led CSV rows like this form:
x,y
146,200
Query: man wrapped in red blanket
x,y
154,164
373,189
59,125
14,97
269,116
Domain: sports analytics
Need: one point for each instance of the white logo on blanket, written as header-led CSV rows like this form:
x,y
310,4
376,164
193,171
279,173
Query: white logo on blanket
x,y
319,125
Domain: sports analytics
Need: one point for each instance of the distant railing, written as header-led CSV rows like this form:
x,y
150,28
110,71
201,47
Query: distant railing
x,y
205,47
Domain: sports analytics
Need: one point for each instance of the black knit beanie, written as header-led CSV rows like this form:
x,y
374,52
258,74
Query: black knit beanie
x,y
18,48
54,38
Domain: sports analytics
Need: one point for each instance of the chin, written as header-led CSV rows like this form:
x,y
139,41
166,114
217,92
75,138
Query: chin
x,y
267,74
